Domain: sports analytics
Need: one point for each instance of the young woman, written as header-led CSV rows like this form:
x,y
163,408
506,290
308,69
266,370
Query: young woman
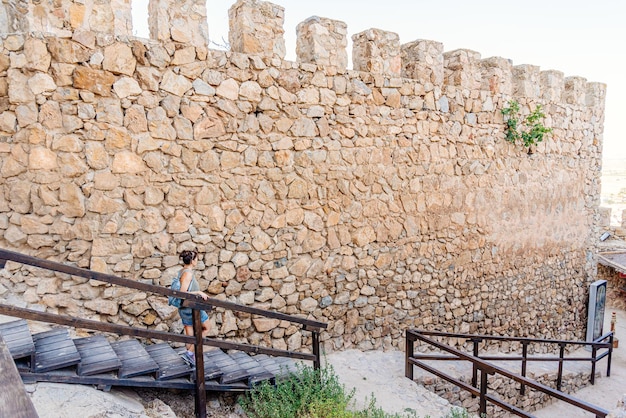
x,y
188,283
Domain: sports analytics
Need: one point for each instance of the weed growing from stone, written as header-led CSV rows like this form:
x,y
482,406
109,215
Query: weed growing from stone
x,y
529,129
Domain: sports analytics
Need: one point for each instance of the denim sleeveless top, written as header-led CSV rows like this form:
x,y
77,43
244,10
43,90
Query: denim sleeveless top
x,y
193,285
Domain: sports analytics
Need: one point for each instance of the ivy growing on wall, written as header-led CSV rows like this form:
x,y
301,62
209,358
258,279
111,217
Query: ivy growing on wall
x,y
529,130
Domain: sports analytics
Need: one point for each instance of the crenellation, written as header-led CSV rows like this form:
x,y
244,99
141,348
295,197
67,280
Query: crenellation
x,y
497,75
552,84
322,41
574,91
378,52
526,81
422,60
256,27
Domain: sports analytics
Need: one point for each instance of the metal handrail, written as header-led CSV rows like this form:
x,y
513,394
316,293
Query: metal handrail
x,y
479,364
189,300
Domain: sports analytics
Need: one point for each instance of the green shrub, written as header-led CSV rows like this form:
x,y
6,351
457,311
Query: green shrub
x,y
310,393
304,394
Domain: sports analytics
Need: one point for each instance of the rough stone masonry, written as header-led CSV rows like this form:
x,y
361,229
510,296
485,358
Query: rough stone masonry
x,y
376,198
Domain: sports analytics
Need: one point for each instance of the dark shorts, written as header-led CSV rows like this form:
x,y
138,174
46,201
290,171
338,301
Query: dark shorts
x,y
187,317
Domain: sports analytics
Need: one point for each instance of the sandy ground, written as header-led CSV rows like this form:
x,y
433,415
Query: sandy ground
x,y
380,375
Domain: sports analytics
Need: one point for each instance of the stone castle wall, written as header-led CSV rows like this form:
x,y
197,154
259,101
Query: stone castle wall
x,y
375,199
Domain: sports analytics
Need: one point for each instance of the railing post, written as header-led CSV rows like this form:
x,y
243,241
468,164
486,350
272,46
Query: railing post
x,y
198,350
409,350
610,356
559,377
522,389
483,393
474,368
317,363
594,351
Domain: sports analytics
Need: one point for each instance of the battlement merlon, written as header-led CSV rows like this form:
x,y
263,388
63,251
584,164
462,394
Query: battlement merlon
x,y
256,27
183,21
496,75
323,42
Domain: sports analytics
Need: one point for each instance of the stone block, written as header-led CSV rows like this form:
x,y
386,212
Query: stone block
x,y
323,42
377,51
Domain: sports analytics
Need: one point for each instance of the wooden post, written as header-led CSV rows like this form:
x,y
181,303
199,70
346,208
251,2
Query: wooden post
x,y
14,401
483,393
474,368
559,377
594,351
522,389
317,363
409,350
198,350
609,356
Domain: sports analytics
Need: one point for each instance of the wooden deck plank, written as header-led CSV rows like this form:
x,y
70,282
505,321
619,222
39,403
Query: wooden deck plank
x,y
211,370
97,356
52,352
171,365
54,334
18,338
232,372
257,372
135,359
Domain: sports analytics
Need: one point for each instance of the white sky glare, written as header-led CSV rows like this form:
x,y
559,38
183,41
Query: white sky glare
x,y
578,38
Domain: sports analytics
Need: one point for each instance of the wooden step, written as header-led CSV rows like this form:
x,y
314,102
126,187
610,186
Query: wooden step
x,y
231,371
171,365
135,359
257,373
211,369
281,367
96,356
17,338
54,349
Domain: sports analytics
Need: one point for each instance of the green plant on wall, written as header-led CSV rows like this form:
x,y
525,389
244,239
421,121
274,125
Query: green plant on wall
x,y
529,130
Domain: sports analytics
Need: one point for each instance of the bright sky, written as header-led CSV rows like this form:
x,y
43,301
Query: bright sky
x,y
579,38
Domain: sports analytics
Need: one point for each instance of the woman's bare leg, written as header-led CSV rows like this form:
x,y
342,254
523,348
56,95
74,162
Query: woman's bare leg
x,y
189,331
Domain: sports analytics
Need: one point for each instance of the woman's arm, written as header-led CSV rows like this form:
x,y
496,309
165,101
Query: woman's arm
x,y
185,281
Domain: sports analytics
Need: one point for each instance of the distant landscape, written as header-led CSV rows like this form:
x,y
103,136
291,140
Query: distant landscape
x,y
614,188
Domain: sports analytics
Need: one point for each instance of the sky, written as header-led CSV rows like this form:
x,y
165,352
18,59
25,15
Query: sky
x,y
578,38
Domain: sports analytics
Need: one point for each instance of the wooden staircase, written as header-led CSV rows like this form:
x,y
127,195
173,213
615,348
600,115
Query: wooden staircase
x,y
53,356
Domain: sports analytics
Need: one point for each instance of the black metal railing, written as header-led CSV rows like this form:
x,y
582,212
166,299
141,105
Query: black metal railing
x,y
189,300
485,369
